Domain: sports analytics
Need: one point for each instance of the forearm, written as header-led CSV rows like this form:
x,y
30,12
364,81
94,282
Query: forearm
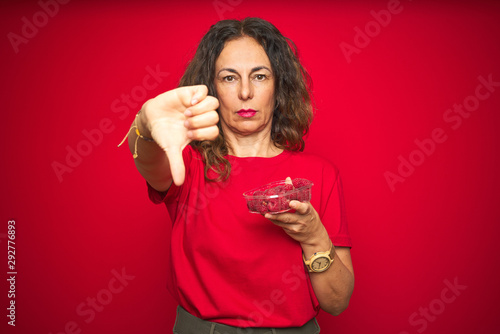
x,y
151,161
333,287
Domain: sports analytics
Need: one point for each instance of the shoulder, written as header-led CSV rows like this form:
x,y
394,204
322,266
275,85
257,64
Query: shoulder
x,y
315,161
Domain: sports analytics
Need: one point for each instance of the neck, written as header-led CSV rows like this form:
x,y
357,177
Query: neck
x,y
255,145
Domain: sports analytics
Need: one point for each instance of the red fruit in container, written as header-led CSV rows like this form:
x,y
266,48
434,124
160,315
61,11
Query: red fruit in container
x,y
290,194
271,191
284,203
262,207
272,199
273,205
258,202
304,195
252,205
278,190
303,189
299,183
275,197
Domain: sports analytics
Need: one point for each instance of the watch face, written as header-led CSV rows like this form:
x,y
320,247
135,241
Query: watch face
x,y
320,264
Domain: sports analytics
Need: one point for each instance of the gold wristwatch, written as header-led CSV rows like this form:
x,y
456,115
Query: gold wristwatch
x,y
320,261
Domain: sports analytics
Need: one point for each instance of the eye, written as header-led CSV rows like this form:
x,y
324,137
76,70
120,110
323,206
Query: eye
x,y
229,78
260,77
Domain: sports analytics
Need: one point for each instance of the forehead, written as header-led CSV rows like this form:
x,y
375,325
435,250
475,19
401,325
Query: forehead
x,y
242,53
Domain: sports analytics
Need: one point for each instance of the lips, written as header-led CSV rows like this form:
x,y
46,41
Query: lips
x,y
246,113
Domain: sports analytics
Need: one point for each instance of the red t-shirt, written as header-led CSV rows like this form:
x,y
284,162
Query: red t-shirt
x,y
235,267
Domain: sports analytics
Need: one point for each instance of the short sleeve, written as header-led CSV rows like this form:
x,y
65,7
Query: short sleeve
x,y
173,193
333,214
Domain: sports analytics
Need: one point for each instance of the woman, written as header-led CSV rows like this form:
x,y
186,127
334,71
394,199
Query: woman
x,y
236,122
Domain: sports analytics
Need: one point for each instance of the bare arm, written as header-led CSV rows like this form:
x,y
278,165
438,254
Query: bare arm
x,y
333,287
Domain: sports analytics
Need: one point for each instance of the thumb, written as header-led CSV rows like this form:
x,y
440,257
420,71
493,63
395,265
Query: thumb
x,y
300,207
177,168
199,92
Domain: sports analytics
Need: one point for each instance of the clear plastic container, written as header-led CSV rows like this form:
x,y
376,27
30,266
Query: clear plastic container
x,y
275,197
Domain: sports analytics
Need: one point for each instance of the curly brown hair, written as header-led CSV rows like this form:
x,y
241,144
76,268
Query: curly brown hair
x,y
293,111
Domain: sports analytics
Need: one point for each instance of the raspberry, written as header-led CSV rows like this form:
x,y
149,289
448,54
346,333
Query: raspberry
x,y
262,207
284,203
273,204
288,192
251,205
258,193
259,204
270,192
303,195
297,183
284,196
279,190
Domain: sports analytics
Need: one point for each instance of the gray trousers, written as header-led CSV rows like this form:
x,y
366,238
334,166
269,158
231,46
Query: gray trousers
x,y
186,323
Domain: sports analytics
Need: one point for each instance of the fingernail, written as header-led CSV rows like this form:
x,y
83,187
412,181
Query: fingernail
x,y
186,124
190,134
188,113
194,101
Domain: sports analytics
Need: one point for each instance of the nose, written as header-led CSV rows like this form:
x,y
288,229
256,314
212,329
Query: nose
x,y
246,90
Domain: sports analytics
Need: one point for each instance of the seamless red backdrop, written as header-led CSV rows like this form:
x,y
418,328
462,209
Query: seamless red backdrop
x,y
407,96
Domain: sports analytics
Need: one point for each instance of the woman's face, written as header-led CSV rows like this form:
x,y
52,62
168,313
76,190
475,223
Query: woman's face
x,y
245,87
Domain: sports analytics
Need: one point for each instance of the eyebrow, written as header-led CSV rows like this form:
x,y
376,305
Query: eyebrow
x,y
255,69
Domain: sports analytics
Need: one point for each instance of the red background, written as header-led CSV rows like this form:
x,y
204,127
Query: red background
x,y
439,224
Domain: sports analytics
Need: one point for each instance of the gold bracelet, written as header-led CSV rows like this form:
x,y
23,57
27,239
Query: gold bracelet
x,y
134,125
